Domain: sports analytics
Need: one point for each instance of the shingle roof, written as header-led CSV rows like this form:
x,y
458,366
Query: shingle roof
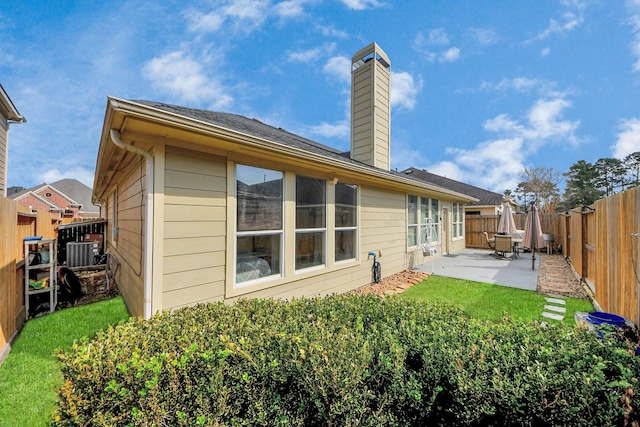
x,y
257,128
71,188
252,127
485,197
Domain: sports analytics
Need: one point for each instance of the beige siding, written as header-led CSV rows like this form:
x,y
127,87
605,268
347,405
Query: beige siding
x,y
194,228
128,247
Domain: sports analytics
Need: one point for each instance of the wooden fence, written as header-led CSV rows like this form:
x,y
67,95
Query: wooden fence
x,y
601,242
16,223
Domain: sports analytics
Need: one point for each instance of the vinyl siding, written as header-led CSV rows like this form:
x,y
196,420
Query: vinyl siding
x,y
128,247
194,250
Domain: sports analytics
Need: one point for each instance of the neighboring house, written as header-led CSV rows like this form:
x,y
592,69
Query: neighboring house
x,y
208,206
67,198
488,203
8,115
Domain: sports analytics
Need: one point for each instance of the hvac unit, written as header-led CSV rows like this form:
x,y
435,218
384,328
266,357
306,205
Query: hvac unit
x,y
81,254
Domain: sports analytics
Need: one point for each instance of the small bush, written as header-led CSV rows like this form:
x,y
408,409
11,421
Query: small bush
x,y
343,361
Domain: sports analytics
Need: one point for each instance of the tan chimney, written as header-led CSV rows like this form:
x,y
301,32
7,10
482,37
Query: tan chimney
x,y
371,107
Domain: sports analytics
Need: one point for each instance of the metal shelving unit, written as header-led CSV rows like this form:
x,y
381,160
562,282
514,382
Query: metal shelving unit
x,y
40,271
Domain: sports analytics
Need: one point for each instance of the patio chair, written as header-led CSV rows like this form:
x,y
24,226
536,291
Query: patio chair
x,y
503,245
490,242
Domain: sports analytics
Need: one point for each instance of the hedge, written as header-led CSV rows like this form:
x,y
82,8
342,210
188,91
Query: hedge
x,y
343,361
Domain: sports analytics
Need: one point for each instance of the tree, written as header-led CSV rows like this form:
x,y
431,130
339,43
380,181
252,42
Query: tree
x,y
611,174
541,185
632,163
581,188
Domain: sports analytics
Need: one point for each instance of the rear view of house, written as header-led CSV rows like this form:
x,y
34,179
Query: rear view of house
x,y
208,206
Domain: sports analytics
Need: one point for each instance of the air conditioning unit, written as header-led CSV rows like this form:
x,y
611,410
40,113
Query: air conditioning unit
x,y
81,254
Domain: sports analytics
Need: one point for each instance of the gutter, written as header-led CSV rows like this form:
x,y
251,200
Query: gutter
x,y
148,232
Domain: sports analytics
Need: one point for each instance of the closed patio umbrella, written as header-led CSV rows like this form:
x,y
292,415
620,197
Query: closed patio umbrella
x,y
533,232
507,224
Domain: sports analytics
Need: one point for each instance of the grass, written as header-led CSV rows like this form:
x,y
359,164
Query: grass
x,y
489,302
31,374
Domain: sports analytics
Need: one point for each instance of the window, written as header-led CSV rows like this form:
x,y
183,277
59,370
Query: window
x,y
412,220
311,222
457,225
259,222
346,202
435,220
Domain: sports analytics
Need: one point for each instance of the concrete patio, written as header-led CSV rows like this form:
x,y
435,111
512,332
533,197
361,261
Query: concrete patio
x,y
479,265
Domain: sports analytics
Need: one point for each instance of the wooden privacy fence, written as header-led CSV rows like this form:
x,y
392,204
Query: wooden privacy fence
x,y
16,223
601,242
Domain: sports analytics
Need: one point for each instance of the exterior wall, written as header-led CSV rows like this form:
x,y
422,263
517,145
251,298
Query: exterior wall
x,y
57,199
194,248
4,131
128,245
195,240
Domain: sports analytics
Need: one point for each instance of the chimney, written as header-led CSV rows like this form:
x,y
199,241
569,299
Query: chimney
x,y
371,107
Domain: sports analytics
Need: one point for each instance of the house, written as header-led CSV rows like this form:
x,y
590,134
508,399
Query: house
x,y
209,206
488,203
8,115
66,198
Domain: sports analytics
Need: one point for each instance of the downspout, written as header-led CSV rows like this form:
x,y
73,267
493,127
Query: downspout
x,y
148,232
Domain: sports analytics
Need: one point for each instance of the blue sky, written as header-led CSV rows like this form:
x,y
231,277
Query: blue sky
x,y
480,89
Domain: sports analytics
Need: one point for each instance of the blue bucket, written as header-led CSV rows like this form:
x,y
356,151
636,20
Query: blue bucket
x,y
599,318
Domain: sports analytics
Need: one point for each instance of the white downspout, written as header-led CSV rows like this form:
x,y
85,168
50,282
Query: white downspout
x,y
148,232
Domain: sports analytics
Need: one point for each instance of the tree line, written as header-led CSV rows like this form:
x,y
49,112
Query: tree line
x,y
585,183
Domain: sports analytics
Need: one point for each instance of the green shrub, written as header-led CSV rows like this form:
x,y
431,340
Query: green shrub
x,y
342,361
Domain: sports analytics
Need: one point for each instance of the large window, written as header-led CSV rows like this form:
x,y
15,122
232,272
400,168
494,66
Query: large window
x,y
311,222
259,222
346,203
457,226
435,220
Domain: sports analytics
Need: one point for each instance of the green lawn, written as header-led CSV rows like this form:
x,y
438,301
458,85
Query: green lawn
x,y
30,374
489,302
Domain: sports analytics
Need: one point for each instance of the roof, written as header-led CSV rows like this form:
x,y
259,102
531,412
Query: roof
x,y
7,108
242,130
72,189
485,197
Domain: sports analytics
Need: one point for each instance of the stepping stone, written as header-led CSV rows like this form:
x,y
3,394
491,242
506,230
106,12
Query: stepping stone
x,y
556,301
552,316
555,308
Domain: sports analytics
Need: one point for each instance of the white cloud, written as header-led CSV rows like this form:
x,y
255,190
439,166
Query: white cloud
x,y
311,54
483,36
437,36
330,31
634,21
570,20
361,4
451,55
628,140
404,90
340,129
83,175
545,52
496,164
544,88
339,67
242,16
180,75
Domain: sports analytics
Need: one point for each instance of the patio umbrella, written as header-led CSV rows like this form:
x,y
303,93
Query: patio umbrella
x,y
507,224
533,232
